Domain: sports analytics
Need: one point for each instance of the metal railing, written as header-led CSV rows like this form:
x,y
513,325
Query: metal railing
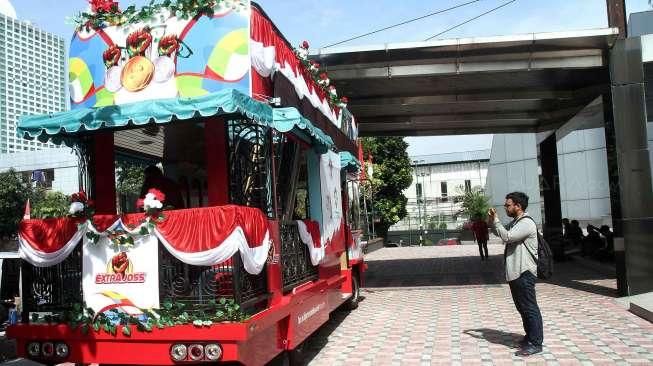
x,y
295,258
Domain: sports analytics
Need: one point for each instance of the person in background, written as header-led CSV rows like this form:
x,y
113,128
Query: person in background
x,y
154,178
480,230
520,238
592,243
575,235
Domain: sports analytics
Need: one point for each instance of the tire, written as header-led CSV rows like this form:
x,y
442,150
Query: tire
x,y
293,357
352,302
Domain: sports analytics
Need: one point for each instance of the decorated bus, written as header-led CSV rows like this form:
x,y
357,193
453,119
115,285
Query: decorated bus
x,y
245,235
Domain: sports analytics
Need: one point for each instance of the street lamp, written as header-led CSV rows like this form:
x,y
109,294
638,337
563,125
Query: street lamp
x,y
426,217
370,172
418,193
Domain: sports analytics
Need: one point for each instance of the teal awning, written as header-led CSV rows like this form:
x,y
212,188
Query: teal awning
x,y
349,162
60,127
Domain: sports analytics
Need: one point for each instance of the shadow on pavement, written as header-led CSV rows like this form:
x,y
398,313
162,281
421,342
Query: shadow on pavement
x,y
471,271
449,271
317,341
495,336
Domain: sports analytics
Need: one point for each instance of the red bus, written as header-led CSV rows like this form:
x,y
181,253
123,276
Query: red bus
x,y
217,219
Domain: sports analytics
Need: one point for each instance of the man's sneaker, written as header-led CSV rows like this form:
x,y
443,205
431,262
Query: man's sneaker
x,y
528,350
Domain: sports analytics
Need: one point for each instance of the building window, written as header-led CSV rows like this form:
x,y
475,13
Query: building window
x,y
418,190
468,186
443,190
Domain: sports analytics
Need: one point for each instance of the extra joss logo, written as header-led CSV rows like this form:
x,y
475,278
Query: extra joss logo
x,y
120,270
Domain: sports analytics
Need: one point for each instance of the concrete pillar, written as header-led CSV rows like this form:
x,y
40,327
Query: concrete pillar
x,y
633,165
552,220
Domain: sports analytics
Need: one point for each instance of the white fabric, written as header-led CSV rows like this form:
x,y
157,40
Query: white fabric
x,y
264,62
317,253
253,258
331,196
42,259
356,249
262,58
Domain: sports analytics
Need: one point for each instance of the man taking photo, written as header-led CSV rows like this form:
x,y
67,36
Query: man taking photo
x,y
520,238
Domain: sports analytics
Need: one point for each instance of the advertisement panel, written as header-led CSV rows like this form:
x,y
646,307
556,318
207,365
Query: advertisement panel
x,y
167,56
121,277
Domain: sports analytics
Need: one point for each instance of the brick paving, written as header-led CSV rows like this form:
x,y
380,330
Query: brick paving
x,y
442,305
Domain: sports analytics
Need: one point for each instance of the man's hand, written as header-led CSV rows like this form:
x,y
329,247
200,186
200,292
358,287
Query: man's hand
x,y
491,214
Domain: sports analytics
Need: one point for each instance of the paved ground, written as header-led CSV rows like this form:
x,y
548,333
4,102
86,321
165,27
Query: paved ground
x,y
442,305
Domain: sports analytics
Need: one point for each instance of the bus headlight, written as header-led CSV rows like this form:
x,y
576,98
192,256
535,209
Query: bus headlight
x,y
34,349
178,352
47,349
212,352
196,352
61,350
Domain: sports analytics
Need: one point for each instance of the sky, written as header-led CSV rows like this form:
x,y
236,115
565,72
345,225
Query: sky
x,y
324,22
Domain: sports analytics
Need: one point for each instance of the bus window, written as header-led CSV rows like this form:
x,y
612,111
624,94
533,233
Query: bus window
x,y
177,149
291,178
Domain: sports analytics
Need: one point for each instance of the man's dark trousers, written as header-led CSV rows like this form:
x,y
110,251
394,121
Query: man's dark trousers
x,y
523,294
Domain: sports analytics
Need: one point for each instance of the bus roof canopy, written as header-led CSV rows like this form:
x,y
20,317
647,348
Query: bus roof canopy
x,y
61,127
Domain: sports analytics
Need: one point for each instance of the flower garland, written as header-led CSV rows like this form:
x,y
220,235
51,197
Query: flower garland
x,y
107,12
81,206
82,318
319,76
153,206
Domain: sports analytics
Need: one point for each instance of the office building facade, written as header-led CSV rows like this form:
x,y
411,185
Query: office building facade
x,y
32,79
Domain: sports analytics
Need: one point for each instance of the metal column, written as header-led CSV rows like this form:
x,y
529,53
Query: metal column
x,y
630,152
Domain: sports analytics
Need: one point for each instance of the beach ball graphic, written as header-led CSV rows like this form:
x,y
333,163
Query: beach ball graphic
x,y
229,60
80,80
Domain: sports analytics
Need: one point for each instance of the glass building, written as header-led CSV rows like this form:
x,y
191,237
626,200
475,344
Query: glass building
x,y
32,78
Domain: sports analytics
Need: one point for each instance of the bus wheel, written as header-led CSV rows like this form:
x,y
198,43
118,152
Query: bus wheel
x,y
352,302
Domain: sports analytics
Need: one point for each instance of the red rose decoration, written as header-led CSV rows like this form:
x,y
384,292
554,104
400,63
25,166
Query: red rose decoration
x,y
79,197
103,5
305,45
111,56
168,45
139,41
160,196
316,65
324,76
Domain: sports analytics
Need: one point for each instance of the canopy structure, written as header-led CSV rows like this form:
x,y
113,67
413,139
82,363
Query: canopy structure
x,y
349,162
61,127
505,84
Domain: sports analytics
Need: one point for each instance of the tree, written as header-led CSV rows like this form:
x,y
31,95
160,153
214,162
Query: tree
x,y
14,192
49,204
130,178
392,175
475,203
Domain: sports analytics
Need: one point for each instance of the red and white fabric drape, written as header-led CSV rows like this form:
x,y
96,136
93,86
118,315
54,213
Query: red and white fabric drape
x,y
270,53
200,236
309,233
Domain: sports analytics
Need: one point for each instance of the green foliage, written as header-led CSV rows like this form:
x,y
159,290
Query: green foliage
x,y
392,175
475,204
171,314
49,204
184,9
129,178
14,192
